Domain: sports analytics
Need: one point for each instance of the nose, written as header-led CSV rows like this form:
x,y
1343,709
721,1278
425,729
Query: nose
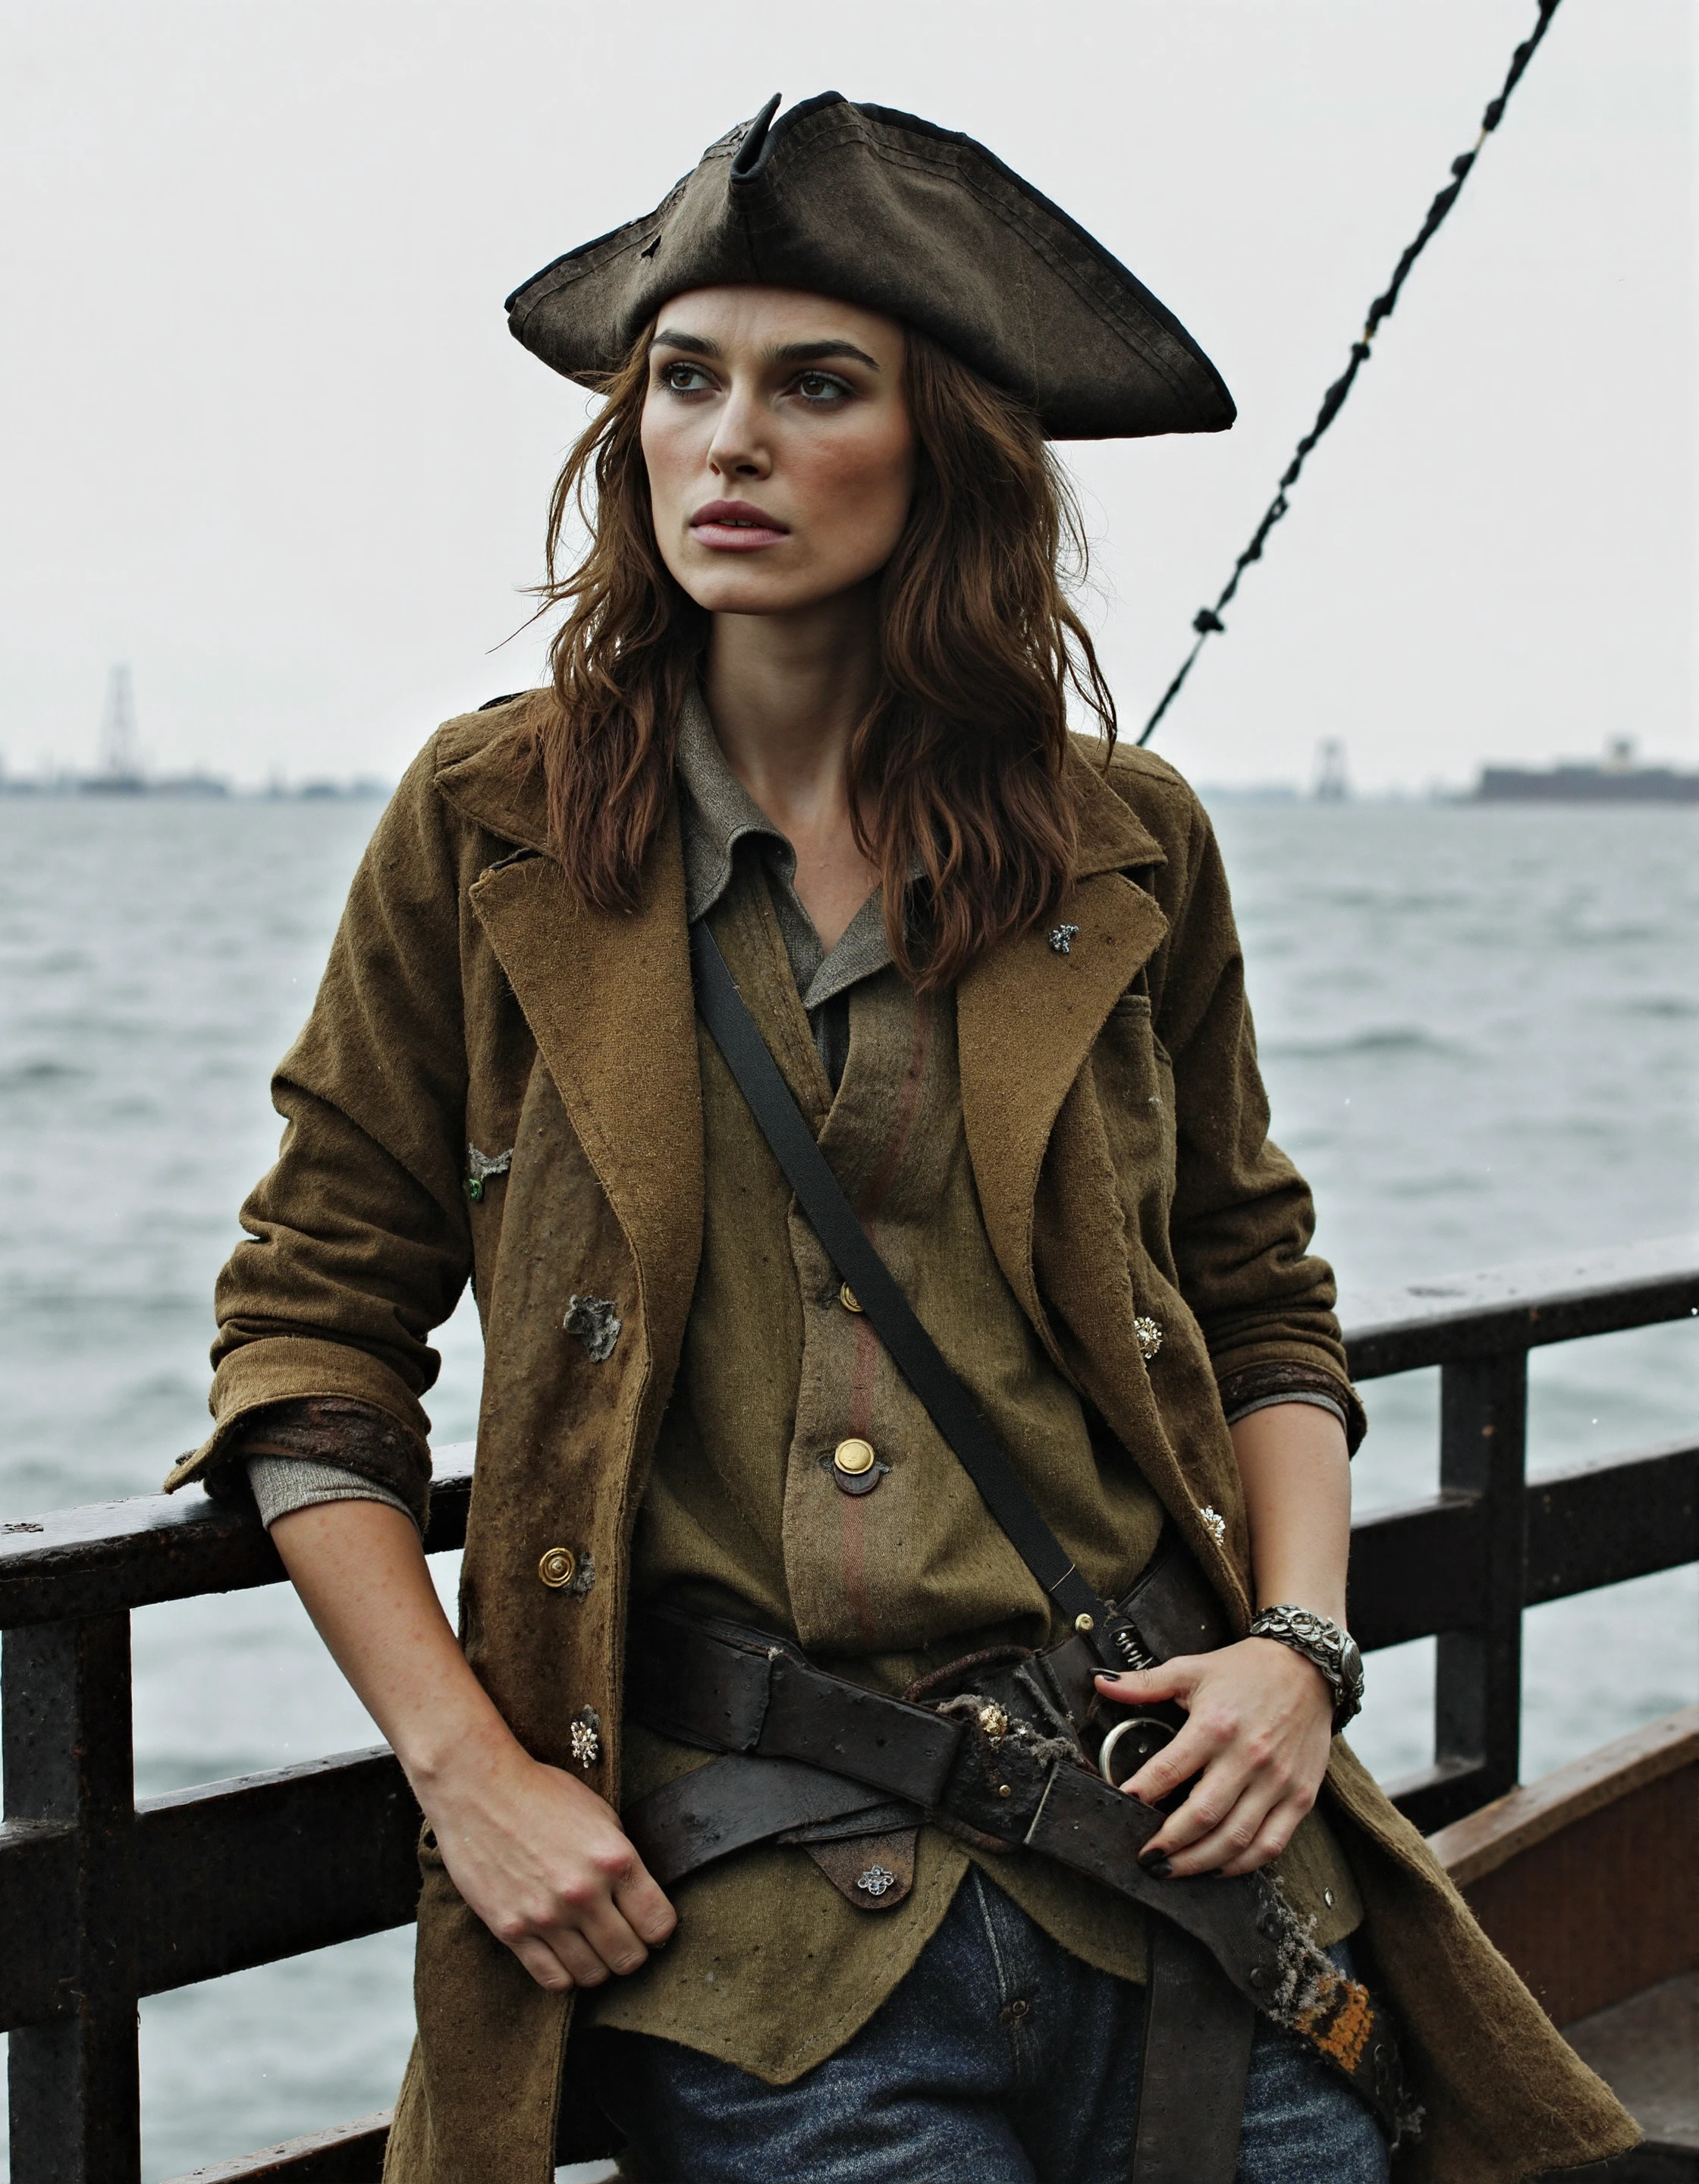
x,y
739,448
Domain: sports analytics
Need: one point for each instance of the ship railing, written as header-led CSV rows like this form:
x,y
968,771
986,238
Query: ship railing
x,y
105,1897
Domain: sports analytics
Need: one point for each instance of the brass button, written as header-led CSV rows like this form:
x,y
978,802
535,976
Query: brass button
x,y
557,1567
846,1297
1084,1623
855,1458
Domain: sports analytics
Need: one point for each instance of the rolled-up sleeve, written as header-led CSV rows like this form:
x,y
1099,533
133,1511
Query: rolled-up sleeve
x,y
1242,1217
357,1242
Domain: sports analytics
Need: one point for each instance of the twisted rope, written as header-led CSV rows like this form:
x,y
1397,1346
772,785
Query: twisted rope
x,y
1207,621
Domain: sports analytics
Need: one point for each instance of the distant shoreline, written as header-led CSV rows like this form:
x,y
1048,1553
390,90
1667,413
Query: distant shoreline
x,y
194,787
1568,786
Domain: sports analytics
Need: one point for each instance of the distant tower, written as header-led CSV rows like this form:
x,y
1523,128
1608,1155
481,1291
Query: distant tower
x,y
1331,785
120,759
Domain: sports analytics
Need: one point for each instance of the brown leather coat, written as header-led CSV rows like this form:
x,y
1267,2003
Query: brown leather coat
x,y
469,999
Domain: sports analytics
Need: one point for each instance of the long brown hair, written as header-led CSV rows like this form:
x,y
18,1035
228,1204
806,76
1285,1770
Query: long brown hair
x,y
958,763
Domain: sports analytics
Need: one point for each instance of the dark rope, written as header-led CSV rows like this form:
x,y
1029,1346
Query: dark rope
x,y
1207,621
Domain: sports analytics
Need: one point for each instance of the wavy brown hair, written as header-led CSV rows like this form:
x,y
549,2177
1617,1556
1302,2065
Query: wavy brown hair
x,y
956,768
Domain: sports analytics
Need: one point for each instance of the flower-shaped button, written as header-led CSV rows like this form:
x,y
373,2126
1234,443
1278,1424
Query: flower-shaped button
x,y
584,1737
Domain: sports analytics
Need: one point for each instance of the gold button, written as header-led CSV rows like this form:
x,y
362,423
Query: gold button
x,y
557,1567
855,1458
1084,1623
846,1297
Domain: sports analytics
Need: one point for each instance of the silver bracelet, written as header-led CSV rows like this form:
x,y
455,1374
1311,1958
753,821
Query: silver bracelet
x,y
1321,1641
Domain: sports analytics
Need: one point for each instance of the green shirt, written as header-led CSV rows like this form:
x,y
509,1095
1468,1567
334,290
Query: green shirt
x,y
772,1969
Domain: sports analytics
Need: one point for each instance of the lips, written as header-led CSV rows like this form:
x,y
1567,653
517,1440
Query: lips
x,y
736,526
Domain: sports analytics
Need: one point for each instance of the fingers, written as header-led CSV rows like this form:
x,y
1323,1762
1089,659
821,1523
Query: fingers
x,y
584,1941
1242,1810
1248,1761
1173,1679
1279,1825
592,1940
541,1962
1213,1829
546,1865
1207,1733
647,1911
609,1914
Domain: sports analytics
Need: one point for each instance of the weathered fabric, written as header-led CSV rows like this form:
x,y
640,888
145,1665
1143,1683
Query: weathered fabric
x,y
1118,1147
772,1969
332,1448
921,223
281,1485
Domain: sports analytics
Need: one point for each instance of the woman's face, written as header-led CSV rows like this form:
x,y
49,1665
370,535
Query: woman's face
x,y
780,455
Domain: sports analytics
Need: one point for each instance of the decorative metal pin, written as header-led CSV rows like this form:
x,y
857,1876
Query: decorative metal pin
x,y
1149,1333
1215,1523
558,1568
584,1737
876,1879
993,1721
596,1325
563,1571
1063,937
481,1167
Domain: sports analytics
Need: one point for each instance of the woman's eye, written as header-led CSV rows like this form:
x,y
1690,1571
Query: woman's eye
x,y
684,378
822,386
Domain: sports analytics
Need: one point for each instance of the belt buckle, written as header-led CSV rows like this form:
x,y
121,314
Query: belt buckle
x,y
1152,1735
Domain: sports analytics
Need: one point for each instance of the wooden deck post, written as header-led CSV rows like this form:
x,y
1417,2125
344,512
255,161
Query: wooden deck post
x,y
1477,1676
75,2081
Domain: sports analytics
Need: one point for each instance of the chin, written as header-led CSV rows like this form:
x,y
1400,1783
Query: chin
x,y
746,591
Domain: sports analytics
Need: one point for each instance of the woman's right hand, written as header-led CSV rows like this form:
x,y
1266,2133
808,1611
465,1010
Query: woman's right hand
x,y
540,1858
544,1863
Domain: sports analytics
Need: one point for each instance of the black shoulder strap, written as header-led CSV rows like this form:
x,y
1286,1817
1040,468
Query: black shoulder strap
x,y
951,1408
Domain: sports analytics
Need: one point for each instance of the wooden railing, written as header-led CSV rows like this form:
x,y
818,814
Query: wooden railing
x,y
104,1897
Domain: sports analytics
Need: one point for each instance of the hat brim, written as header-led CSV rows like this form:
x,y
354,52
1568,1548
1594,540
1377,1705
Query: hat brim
x,y
898,215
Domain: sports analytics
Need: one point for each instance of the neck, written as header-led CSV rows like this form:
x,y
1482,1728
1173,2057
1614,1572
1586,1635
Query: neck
x,y
786,692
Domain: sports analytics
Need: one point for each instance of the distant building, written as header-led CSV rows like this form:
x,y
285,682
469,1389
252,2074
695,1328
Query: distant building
x,y
1616,780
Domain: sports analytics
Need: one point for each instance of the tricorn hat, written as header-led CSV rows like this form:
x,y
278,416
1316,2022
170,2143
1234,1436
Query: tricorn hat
x,y
918,222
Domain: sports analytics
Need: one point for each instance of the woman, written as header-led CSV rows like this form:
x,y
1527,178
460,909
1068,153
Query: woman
x,y
809,716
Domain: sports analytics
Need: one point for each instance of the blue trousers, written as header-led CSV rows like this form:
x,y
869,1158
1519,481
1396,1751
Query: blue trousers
x,y
999,2059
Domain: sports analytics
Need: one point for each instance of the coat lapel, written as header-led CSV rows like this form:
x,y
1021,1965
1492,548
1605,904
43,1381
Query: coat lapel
x,y
608,1001
1028,1014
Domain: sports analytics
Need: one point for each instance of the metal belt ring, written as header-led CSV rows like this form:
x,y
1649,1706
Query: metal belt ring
x,y
1106,1750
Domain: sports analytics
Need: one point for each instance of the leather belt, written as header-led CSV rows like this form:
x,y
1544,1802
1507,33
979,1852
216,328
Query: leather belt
x,y
1001,1764
1004,1763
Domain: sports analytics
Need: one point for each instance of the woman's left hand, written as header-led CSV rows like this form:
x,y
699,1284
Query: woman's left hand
x,y
1258,1730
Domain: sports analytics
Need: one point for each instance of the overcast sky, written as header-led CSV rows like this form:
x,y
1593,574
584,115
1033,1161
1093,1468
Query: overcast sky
x,y
266,437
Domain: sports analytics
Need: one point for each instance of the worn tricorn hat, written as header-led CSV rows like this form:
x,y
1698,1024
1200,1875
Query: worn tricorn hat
x,y
921,223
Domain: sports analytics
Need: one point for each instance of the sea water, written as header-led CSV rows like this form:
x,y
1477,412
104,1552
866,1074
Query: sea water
x,y
1481,1031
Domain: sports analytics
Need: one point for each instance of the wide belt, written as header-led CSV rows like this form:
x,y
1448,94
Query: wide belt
x,y
1000,1764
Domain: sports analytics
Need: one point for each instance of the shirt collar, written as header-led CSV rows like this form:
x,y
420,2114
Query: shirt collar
x,y
717,811
717,814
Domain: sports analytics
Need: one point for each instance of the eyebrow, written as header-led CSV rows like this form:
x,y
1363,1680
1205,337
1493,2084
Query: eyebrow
x,y
814,352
